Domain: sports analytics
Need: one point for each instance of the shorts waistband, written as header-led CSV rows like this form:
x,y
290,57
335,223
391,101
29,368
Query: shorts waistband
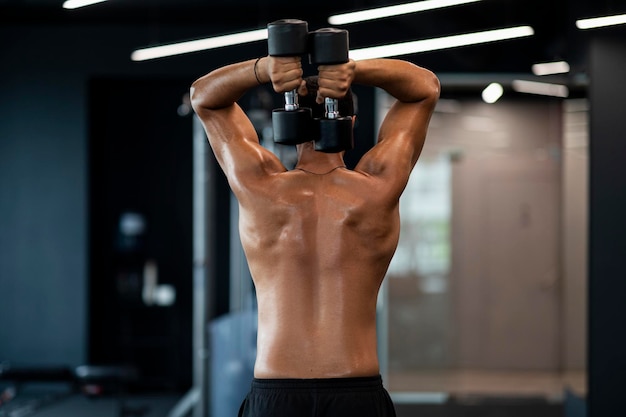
x,y
353,383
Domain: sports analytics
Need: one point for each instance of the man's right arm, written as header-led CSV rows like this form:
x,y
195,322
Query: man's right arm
x,y
403,131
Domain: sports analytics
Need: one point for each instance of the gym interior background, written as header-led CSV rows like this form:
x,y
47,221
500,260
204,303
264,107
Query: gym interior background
x,y
505,295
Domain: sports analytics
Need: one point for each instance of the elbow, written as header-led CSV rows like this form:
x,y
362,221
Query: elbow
x,y
433,87
197,97
424,86
202,94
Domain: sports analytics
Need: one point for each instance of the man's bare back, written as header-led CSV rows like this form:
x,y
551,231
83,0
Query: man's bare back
x,y
318,239
318,246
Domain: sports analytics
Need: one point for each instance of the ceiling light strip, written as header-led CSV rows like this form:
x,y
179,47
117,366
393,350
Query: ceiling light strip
x,y
596,22
400,9
75,4
198,45
549,68
413,47
544,89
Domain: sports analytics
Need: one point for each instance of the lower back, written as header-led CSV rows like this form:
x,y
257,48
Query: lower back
x,y
306,338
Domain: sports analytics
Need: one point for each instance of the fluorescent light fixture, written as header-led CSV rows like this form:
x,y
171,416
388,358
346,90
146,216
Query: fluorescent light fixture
x,y
492,93
445,42
198,45
549,68
544,89
75,4
596,22
379,13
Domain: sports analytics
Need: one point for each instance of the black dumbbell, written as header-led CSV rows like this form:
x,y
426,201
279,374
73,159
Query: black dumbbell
x,y
292,125
329,46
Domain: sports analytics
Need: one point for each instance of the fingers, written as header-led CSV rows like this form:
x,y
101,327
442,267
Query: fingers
x,y
335,80
285,73
302,90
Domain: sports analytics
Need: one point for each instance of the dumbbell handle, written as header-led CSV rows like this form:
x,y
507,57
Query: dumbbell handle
x,y
332,108
291,100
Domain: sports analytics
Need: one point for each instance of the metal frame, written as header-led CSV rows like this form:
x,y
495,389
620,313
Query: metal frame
x,y
196,400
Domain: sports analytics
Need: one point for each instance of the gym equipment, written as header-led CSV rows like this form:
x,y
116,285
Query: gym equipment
x,y
329,46
292,125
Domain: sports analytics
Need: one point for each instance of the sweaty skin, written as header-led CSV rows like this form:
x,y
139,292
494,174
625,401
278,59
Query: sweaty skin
x,y
319,238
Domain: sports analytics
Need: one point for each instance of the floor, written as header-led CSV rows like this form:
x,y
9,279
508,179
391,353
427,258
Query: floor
x,y
548,385
78,405
469,393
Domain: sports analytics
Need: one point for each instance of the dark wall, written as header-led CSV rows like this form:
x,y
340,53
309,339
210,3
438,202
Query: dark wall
x,y
607,238
42,217
140,161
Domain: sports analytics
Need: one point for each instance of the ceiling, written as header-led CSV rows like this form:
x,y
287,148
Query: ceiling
x,y
556,36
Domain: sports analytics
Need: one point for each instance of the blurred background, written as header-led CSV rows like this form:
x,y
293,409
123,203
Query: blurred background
x,y
123,286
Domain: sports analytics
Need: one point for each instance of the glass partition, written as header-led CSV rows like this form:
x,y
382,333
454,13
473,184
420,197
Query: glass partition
x,y
486,293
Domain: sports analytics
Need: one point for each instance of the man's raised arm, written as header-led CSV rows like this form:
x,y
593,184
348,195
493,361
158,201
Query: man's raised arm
x,y
403,131
231,134
224,86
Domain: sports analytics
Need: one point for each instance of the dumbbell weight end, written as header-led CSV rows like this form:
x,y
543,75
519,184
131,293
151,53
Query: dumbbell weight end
x,y
292,127
335,135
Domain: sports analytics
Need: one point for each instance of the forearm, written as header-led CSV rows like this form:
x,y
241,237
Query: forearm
x,y
405,81
224,86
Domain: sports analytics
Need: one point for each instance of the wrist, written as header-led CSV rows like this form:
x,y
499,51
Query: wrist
x,y
260,70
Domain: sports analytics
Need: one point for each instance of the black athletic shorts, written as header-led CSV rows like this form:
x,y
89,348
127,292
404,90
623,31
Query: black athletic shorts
x,y
335,397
